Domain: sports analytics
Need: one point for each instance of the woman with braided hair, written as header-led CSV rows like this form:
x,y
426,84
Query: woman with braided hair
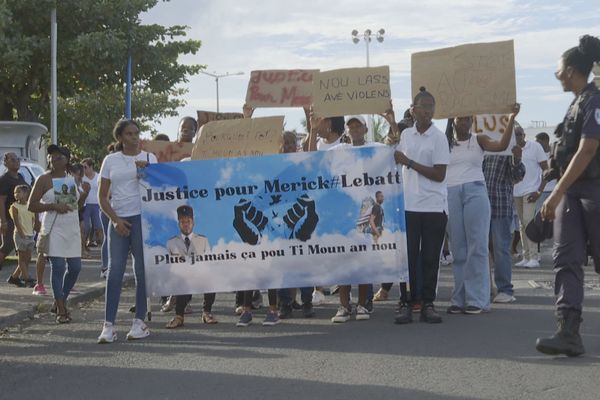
x,y
574,204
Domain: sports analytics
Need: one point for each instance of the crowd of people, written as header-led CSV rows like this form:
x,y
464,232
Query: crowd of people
x,y
456,187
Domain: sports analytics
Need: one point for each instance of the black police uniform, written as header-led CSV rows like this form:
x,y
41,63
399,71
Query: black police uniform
x,y
577,222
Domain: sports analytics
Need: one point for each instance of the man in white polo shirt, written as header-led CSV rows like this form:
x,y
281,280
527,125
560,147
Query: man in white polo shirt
x,y
527,192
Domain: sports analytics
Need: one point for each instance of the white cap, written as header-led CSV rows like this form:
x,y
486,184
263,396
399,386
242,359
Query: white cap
x,y
360,118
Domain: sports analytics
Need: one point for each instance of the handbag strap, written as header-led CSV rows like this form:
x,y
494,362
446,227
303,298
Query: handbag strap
x,y
52,225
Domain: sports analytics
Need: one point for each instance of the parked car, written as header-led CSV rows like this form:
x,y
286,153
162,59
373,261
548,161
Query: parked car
x,y
29,170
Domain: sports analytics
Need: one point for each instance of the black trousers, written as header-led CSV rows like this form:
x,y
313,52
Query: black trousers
x,y
245,297
182,301
577,225
424,239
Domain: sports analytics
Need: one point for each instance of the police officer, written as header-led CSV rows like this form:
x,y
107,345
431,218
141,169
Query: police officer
x,y
574,204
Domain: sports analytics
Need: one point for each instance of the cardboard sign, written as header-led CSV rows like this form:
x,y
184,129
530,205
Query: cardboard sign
x,y
280,88
467,80
238,138
207,116
351,91
167,151
277,221
493,125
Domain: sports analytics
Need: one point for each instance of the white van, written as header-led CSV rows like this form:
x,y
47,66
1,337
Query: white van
x,y
25,139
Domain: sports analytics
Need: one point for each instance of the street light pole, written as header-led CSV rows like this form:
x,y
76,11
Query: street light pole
x,y
367,38
217,77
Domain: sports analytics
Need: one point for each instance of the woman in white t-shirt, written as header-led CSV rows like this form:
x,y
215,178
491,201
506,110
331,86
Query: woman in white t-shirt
x,y
469,213
119,177
424,155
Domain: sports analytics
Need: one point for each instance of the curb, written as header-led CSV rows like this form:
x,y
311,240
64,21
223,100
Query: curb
x,y
43,306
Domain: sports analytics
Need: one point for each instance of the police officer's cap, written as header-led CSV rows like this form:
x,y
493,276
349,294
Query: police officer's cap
x,y
185,211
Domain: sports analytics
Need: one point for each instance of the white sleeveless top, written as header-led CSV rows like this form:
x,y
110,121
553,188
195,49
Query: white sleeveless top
x,y
466,162
65,236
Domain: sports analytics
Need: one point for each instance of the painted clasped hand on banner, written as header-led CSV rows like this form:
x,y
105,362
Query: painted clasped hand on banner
x,y
467,80
351,91
284,220
280,88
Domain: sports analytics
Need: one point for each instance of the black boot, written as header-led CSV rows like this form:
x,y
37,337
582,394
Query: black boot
x,y
566,339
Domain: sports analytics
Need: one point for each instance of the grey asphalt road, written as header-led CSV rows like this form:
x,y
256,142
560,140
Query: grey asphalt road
x,y
489,356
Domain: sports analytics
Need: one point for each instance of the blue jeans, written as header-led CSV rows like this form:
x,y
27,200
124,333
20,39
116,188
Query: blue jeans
x,y
468,228
104,251
119,248
63,278
500,230
91,218
285,297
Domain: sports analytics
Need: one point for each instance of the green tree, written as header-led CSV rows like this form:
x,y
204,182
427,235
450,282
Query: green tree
x,y
93,41
380,128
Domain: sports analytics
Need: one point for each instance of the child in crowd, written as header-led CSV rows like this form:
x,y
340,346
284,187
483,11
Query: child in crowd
x,y
24,230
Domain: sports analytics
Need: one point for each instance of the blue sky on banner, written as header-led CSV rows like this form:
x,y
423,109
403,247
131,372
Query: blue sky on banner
x,y
338,209
243,36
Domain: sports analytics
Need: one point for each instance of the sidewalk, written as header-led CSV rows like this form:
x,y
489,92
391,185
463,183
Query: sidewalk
x,y
19,304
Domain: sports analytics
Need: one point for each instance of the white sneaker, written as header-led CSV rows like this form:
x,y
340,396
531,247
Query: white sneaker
x,y
504,298
362,313
317,298
139,330
108,335
342,315
522,263
446,259
533,263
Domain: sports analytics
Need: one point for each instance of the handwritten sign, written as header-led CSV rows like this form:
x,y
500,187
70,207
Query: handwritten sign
x,y
493,125
280,88
466,80
207,116
167,151
351,91
238,138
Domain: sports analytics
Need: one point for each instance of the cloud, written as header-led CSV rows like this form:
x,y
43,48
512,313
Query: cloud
x,y
332,264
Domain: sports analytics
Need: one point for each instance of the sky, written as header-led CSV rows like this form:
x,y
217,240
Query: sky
x,y
241,36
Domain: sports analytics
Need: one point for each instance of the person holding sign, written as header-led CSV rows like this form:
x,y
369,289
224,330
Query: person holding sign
x,y
574,204
424,155
469,213
60,224
119,177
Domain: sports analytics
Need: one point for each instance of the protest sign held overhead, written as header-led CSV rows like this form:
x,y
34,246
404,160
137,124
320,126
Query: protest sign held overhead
x,y
238,138
351,91
208,116
280,88
467,80
283,220
167,151
493,125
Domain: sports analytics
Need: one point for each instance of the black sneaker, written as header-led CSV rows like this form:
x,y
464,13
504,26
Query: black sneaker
x,y
307,310
296,305
454,309
404,314
429,315
369,306
285,311
473,310
30,283
15,281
